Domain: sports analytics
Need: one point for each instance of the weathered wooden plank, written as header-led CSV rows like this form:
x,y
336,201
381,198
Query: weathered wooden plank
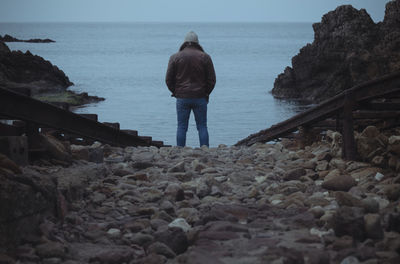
x,y
328,123
113,125
93,117
28,109
157,143
130,132
370,114
388,106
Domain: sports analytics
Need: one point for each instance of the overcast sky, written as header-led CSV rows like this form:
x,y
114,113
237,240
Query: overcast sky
x,y
178,10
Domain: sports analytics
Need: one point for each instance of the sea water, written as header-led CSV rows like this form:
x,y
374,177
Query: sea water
x,y
126,63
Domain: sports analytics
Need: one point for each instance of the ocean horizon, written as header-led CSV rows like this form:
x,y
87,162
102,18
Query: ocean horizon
x,y
125,62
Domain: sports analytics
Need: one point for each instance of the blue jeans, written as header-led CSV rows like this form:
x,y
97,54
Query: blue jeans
x,y
183,108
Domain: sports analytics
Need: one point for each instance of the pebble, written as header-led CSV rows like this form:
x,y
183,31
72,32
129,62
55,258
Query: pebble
x,y
180,223
379,176
350,260
114,232
339,183
161,249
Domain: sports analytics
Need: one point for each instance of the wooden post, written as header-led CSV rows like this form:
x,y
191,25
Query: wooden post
x,y
305,136
349,143
337,125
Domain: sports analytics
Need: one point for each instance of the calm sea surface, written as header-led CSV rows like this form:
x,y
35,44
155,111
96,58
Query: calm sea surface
x,y
126,64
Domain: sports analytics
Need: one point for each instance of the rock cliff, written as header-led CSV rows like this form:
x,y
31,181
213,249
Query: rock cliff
x,y
348,49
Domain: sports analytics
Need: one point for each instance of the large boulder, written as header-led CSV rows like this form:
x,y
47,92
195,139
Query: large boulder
x,y
24,201
348,49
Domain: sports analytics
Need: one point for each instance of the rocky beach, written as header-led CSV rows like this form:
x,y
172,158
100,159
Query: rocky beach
x,y
268,203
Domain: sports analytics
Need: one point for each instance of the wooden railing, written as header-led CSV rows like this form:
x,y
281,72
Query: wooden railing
x,y
21,107
344,110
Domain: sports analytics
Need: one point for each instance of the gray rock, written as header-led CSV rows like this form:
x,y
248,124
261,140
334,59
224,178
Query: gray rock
x,y
322,165
24,201
52,261
202,190
346,199
370,132
349,221
167,206
153,259
172,190
373,227
161,249
392,191
114,232
197,165
215,191
350,260
98,197
294,174
179,167
51,250
142,239
191,215
175,238
370,205
180,223
339,183
317,211
394,144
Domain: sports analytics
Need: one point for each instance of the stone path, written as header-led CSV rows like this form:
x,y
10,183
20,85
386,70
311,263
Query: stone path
x,y
259,204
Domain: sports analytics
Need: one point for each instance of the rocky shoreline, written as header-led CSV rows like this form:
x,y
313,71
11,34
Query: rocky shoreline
x,y
268,203
348,49
44,80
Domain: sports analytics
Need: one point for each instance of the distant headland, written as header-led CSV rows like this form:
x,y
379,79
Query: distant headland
x,y
8,38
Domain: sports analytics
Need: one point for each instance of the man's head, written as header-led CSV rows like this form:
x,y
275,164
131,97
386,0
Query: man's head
x,y
192,37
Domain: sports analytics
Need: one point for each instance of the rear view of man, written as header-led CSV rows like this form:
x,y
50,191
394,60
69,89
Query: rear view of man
x,y
191,79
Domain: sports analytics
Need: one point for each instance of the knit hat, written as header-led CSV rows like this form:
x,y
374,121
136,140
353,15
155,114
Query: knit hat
x,y
192,37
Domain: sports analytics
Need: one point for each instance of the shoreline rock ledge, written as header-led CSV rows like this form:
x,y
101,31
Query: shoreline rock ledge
x,y
348,49
45,81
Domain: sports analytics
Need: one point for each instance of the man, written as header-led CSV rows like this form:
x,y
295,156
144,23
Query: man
x,y
191,79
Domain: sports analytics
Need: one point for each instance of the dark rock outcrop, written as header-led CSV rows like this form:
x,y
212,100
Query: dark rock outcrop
x,y
8,38
45,81
18,69
348,49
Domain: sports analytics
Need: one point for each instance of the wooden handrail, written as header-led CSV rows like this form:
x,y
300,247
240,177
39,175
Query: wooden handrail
x,y
366,91
21,107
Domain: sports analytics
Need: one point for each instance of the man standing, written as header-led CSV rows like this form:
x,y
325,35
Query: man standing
x,y
191,79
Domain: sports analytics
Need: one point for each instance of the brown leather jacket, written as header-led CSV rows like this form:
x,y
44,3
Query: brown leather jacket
x,y
190,73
